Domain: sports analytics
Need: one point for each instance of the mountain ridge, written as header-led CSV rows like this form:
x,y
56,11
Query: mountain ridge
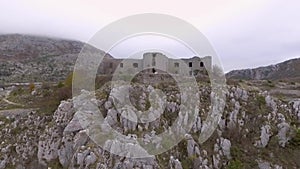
x,y
286,70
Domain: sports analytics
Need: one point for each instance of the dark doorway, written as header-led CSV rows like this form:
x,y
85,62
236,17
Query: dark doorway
x,y
201,64
153,70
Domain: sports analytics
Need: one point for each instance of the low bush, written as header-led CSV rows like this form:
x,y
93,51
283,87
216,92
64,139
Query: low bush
x,y
235,164
295,141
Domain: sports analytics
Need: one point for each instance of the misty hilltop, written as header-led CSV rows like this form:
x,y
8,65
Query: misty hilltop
x,y
23,47
31,58
26,58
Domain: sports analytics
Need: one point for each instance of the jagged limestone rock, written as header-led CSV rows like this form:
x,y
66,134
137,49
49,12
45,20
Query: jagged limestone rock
x,y
264,137
225,144
283,133
175,163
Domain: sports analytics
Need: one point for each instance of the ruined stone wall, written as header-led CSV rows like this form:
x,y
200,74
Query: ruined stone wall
x,y
157,62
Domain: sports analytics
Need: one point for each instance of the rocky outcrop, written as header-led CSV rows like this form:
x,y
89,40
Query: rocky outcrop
x,y
296,108
175,163
252,122
264,137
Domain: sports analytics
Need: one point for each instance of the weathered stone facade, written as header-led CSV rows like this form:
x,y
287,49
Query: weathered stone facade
x,y
156,62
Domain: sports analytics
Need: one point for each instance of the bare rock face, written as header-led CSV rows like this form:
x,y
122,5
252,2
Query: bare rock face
x,y
66,150
51,141
73,126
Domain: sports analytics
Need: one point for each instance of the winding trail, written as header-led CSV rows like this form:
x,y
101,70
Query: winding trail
x,y
13,103
5,99
14,112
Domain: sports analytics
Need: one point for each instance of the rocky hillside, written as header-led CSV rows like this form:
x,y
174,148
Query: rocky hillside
x,y
288,70
256,131
23,47
25,58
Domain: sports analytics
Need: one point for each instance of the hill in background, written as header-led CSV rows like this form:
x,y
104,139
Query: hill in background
x,y
26,58
288,70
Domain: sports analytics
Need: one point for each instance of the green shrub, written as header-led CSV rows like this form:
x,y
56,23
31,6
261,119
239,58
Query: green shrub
x,y
295,141
187,162
235,152
69,80
55,164
60,85
271,85
261,101
235,164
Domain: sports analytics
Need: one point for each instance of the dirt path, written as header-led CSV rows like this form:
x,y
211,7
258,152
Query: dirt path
x,y
286,91
14,112
10,102
13,103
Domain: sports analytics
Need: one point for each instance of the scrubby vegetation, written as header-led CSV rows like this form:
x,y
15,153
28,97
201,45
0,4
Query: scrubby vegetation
x,y
295,141
235,164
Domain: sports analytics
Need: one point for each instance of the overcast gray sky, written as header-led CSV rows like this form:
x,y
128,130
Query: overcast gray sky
x,y
244,33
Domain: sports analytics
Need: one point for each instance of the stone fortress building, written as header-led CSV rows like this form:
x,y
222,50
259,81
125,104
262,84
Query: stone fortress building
x,y
156,62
